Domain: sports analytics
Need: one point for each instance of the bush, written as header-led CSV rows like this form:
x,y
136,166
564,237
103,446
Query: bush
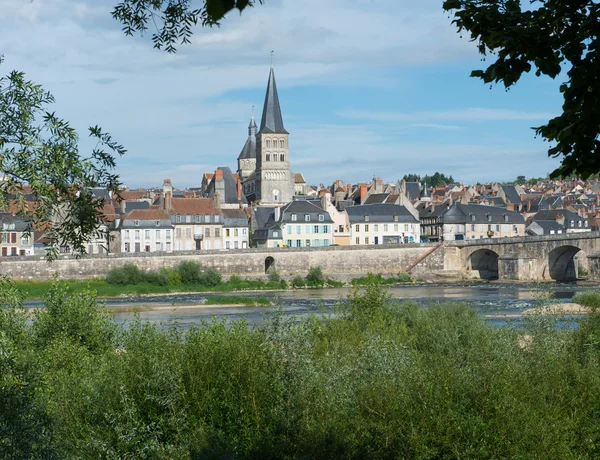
x,y
210,277
334,283
274,275
404,277
298,281
235,280
589,299
126,274
190,272
156,278
172,275
315,276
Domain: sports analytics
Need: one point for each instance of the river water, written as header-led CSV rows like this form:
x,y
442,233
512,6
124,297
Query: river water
x,y
498,303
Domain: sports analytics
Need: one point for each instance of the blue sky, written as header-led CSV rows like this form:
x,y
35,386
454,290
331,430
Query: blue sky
x,y
367,88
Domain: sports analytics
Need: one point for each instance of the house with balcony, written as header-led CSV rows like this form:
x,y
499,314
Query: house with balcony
x,y
382,223
146,230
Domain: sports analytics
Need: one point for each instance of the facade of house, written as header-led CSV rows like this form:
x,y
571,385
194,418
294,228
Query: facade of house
x,y
297,224
235,229
198,223
146,230
573,223
383,223
473,221
545,227
14,240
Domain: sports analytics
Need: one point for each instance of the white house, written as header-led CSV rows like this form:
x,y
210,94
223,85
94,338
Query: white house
x,y
382,223
147,230
235,229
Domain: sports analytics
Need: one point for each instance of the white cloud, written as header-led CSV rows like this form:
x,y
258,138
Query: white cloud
x,y
471,114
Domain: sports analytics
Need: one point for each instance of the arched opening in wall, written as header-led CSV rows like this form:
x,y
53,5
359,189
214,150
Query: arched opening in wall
x,y
485,262
567,263
269,264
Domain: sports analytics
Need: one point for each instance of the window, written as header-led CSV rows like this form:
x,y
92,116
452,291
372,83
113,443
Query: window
x,y
366,227
472,217
366,218
505,218
197,218
406,227
188,232
340,228
168,246
126,234
178,218
306,218
298,231
357,240
366,240
515,229
307,243
472,227
316,229
281,157
168,234
281,143
268,157
158,234
395,227
551,232
235,245
321,218
158,246
325,242
147,234
126,247
226,244
275,234
572,223
489,217
357,228
325,228
137,234
497,228
395,218
217,232
178,233
188,219
489,228
244,231
157,223
579,224
298,243
294,217
289,243
274,157
385,227
136,223
289,229
268,142
207,232
585,224
315,243
307,229
376,227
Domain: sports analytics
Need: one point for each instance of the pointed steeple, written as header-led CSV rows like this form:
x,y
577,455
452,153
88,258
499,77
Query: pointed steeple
x,y
271,121
249,150
425,192
252,127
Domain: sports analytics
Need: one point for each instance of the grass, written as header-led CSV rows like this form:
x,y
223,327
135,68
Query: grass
x,y
238,300
589,299
37,289
378,279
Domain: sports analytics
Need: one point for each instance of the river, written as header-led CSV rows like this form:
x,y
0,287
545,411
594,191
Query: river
x,y
498,303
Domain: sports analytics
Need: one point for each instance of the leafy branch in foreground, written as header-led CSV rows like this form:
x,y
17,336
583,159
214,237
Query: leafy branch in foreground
x,y
45,180
548,36
173,19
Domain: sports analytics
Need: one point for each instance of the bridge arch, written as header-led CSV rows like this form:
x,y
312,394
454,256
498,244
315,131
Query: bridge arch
x,y
566,263
484,261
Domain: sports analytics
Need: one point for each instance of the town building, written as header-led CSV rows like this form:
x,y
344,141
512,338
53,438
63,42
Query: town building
x,y
198,223
146,230
473,221
235,229
383,223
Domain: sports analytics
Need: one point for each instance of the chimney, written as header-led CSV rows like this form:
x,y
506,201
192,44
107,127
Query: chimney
x,y
363,192
277,214
218,174
217,200
378,185
239,189
168,194
123,205
324,202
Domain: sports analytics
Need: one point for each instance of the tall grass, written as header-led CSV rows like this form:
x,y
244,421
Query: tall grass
x,y
375,379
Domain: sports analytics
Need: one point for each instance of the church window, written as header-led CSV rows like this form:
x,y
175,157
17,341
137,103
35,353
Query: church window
x,y
268,157
274,157
275,195
268,142
282,157
281,143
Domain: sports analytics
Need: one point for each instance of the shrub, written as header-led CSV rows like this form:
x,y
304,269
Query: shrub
x,y
588,299
156,278
173,276
126,274
298,281
190,272
404,277
315,276
235,280
210,277
274,275
334,283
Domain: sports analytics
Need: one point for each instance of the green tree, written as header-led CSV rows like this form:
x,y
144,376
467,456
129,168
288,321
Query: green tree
x,y
39,155
548,37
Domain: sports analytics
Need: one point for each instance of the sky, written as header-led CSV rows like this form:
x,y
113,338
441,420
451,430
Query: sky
x,y
367,88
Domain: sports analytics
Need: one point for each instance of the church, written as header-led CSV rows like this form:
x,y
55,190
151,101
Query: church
x,y
264,162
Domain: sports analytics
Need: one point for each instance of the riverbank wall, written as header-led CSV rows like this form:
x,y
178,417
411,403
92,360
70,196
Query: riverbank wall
x,y
338,262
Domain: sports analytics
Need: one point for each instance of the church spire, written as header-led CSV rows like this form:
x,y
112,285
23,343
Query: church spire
x,y
271,121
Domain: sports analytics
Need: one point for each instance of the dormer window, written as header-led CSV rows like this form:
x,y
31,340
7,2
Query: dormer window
x,y
136,223
294,217
489,217
579,223
572,223
306,218
366,218
472,217
157,223
505,218
321,218
178,218
585,224
395,218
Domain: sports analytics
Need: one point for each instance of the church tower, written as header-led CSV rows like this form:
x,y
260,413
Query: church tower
x,y
247,157
274,180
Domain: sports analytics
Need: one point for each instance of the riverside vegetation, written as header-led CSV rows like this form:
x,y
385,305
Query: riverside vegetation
x,y
189,276
374,379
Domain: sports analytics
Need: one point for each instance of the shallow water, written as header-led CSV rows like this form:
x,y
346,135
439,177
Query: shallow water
x,y
491,300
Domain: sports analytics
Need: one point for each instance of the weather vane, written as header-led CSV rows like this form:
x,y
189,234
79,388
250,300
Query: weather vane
x,y
272,57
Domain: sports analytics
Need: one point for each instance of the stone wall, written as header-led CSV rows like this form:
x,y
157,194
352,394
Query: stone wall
x,y
337,262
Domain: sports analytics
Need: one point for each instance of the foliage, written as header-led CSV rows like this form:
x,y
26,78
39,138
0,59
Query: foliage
x,y
581,271
378,279
124,275
274,275
173,20
298,281
210,277
334,283
173,276
434,180
40,158
548,37
190,272
156,277
588,299
376,379
315,277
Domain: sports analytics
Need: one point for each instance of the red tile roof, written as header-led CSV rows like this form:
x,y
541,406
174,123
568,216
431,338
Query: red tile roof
x,y
148,214
193,206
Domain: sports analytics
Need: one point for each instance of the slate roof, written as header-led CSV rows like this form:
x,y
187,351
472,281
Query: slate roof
x,y
460,213
554,214
231,191
548,225
261,215
413,190
512,196
133,194
235,218
249,149
302,208
271,121
382,212
147,217
376,198
20,224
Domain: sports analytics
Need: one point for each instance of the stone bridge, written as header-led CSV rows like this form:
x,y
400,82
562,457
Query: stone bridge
x,y
552,257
